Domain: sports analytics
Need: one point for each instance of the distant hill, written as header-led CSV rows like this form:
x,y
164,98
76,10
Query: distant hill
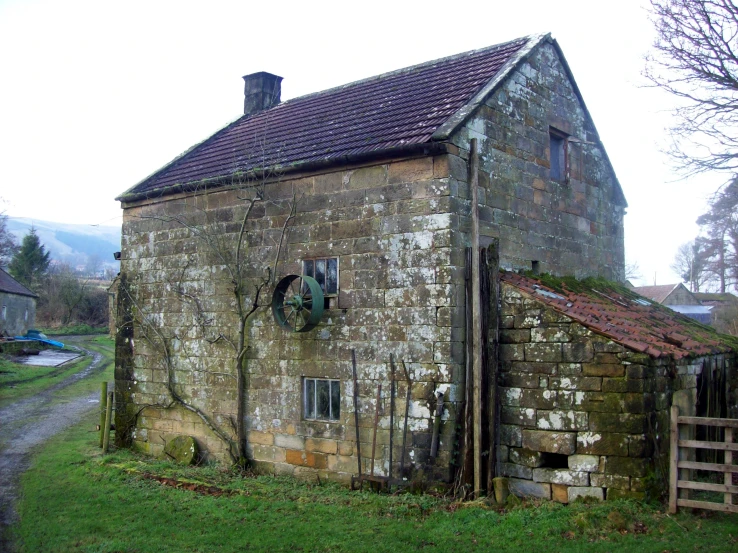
x,y
72,244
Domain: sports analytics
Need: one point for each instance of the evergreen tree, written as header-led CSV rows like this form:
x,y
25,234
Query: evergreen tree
x,y
31,262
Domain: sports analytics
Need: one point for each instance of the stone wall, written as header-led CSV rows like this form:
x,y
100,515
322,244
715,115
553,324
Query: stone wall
x,y
19,314
581,414
398,229
573,227
681,296
390,228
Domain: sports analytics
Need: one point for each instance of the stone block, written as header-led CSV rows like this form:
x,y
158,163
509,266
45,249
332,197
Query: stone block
x,y
584,463
411,170
610,481
537,398
306,459
603,369
549,442
561,476
640,445
627,466
560,493
526,457
614,422
517,380
534,368
263,438
550,334
516,471
511,435
512,352
515,336
367,177
576,492
602,443
543,352
561,420
528,488
321,446
520,416
581,383
289,442
580,351
614,493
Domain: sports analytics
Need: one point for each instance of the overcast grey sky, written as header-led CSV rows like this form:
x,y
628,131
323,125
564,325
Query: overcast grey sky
x,y
94,96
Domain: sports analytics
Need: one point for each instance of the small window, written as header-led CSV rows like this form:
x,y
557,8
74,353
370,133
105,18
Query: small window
x,y
5,312
321,399
25,317
325,271
559,158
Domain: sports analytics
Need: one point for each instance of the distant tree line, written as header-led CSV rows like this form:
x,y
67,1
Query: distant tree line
x,y
64,298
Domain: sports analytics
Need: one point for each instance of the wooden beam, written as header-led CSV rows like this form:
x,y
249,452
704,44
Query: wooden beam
x,y
708,421
476,317
673,459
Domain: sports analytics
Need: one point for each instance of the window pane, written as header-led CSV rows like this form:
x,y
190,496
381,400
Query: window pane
x,y
557,157
331,276
320,272
323,400
307,268
309,398
335,400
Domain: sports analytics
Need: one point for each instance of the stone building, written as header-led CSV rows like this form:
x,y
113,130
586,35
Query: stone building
x,y
679,299
588,373
367,188
17,306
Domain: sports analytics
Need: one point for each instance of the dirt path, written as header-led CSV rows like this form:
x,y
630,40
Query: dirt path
x,y
30,422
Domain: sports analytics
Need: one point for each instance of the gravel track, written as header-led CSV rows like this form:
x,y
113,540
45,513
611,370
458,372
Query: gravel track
x,y
28,423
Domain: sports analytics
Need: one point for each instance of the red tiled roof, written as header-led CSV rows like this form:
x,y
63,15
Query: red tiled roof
x,y
656,293
625,317
11,286
392,110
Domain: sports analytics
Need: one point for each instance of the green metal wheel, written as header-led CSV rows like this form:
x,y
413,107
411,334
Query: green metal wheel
x,y
297,303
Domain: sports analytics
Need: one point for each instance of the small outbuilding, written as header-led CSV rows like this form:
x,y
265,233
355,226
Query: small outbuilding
x,y
17,306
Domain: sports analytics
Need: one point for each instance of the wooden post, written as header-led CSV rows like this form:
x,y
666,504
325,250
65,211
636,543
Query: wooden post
x,y
492,330
728,476
476,318
103,403
673,459
108,417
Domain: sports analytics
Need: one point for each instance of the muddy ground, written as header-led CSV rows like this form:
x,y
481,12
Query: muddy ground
x,y
27,423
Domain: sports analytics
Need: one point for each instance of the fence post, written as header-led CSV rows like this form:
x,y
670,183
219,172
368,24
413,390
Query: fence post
x,y
673,459
108,417
728,476
103,403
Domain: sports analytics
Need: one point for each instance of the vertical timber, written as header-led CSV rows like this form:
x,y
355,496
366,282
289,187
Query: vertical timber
x,y
476,318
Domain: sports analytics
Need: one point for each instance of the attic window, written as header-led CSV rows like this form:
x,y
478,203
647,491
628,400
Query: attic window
x,y
558,152
325,271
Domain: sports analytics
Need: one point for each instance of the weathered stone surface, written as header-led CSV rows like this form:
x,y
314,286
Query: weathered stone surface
x,y
182,450
610,481
561,420
511,435
577,492
584,463
603,369
602,443
627,466
579,351
517,471
549,442
560,493
561,476
528,488
526,457
611,422
543,352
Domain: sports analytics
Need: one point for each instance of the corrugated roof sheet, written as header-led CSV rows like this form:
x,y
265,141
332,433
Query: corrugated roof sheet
x,y
11,286
395,109
625,317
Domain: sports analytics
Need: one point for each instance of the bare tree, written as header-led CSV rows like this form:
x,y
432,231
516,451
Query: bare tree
x,y
720,226
690,263
8,245
696,59
247,275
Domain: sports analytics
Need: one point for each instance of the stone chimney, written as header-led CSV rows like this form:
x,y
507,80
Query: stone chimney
x,y
262,91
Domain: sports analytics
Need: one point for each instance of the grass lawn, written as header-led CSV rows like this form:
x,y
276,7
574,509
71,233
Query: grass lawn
x,y
21,381
76,500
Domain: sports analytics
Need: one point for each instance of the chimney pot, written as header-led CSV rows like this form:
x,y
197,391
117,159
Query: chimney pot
x,y
262,91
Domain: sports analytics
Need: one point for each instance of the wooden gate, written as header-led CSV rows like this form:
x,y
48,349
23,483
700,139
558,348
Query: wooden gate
x,y
680,469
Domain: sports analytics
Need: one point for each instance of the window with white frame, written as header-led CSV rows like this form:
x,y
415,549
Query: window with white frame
x,y
321,399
